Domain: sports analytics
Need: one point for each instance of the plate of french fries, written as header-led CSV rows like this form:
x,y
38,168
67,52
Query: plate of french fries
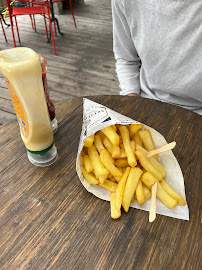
x,y
112,164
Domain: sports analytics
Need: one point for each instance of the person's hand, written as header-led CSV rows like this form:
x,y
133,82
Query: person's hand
x,y
132,94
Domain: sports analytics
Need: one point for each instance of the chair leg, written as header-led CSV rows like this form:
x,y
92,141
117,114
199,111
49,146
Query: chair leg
x,y
3,30
51,31
46,26
70,4
12,30
55,29
17,29
34,23
31,21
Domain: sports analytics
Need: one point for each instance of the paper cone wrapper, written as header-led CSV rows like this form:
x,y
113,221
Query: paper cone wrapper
x,y
96,117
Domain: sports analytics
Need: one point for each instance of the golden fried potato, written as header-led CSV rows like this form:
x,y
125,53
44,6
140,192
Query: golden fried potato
x,y
111,134
89,141
164,197
121,162
109,185
148,166
136,138
90,177
116,151
172,193
102,178
131,184
127,145
139,193
106,160
133,128
161,194
147,140
115,212
98,143
121,187
108,144
152,160
95,159
88,164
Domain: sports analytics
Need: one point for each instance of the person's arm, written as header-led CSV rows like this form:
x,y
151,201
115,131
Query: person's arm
x,y
127,60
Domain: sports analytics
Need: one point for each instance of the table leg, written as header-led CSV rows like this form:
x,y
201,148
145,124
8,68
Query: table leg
x,y
53,19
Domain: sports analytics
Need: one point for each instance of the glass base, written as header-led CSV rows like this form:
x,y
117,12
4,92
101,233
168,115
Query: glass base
x,y
43,159
54,124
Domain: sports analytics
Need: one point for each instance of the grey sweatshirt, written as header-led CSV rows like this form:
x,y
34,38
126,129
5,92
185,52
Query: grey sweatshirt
x,y
166,35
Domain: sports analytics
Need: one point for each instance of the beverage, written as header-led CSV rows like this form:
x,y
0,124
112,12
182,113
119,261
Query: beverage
x,y
22,72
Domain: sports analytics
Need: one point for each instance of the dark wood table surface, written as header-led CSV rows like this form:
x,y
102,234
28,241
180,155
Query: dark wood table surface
x,y
49,221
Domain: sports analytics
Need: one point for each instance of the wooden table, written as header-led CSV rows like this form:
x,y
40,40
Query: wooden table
x,y
49,221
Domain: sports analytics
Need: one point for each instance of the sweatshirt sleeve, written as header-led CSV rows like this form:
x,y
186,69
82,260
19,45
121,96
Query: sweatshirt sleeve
x,y
127,60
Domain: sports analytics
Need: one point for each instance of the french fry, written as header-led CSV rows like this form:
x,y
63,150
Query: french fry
x,y
95,159
89,141
114,127
121,162
132,146
113,180
172,193
123,154
121,145
83,152
123,169
88,164
152,160
161,194
106,160
133,198
111,134
96,175
136,138
121,187
108,144
139,193
116,151
148,166
102,178
131,184
117,178
115,212
110,176
101,134
164,197
90,177
148,179
127,145
109,185
133,128
147,140
98,143
147,192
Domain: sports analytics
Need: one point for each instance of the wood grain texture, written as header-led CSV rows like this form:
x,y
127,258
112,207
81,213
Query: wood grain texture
x,y
49,221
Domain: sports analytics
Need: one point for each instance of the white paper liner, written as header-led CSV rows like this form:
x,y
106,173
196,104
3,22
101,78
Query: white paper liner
x,y
96,117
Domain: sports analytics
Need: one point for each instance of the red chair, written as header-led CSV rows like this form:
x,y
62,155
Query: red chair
x,y
36,2
3,29
53,18
30,10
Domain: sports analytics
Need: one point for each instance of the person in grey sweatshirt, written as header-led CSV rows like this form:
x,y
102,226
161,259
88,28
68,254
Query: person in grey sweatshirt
x,y
158,50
